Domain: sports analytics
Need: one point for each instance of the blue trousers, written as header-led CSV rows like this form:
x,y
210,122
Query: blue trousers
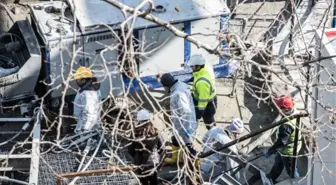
x,y
282,162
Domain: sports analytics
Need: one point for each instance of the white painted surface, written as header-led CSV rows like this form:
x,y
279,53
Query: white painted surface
x,y
60,64
206,31
101,54
50,23
164,52
324,113
93,12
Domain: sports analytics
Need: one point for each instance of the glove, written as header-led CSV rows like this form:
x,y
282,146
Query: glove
x,y
267,155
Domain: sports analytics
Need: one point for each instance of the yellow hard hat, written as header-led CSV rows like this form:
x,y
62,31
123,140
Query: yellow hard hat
x,y
83,72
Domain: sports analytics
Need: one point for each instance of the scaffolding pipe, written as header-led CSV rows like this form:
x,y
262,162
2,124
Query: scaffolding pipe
x,y
252,134
7,179
94,172
296,140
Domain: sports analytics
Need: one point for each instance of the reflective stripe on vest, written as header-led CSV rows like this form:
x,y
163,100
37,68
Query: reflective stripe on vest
x,y
203,75
210,93
288,149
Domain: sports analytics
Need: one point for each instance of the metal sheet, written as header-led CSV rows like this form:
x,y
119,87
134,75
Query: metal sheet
x,y
15,156
35,157
206,32
50,25
101,54
91,12
326,95
163,51
60,63
15,119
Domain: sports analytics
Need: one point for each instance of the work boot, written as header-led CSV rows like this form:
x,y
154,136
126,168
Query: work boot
x,y
272,178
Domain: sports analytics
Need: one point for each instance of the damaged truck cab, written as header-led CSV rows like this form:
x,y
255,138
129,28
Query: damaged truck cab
x,y
95,39
61,36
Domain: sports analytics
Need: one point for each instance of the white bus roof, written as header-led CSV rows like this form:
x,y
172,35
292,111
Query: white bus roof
x,y
91,13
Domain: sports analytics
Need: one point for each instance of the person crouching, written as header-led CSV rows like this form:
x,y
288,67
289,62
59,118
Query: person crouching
x,y
145,148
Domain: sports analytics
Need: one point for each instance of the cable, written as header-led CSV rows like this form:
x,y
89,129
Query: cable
x,y
24,128
7,179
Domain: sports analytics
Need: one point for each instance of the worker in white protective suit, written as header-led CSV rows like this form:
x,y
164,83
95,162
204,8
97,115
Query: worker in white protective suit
x,y
182,109
216,164
87,101
236,128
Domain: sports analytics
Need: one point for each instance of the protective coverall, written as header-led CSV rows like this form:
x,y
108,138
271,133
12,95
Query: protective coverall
x,y
183,111
87,107
213,165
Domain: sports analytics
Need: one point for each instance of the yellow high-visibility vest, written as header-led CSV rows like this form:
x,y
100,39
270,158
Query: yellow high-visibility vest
x,y
203,88
288,149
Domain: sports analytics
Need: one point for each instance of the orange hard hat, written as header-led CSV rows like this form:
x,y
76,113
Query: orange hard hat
x,y
285,102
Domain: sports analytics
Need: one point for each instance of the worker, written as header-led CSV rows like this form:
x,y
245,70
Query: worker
x,y
174,155
145,148
173,161
204,90
216,164
285,141
182,109
87,103
235,129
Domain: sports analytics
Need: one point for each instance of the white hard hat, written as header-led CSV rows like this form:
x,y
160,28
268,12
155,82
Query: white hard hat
x,y
237,126
196,60
143,115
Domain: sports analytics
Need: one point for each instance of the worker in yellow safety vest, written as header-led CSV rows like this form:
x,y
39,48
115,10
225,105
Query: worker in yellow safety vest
x,y
204,90
285,142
